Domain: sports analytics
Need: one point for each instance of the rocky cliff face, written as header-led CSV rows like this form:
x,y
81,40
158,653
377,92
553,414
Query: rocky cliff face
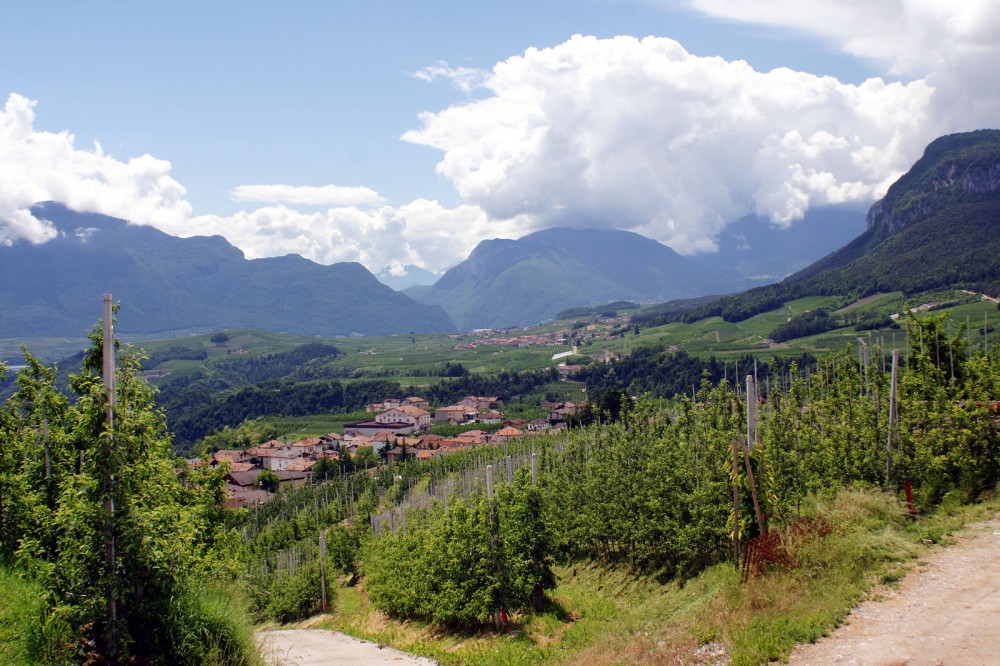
x,y
959,168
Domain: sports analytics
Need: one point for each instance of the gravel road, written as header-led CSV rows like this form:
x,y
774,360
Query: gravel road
x,y
947,611
317,647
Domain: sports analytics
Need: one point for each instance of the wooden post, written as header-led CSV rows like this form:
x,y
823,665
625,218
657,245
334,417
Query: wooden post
x,y
761,523
489,482
109,502
751,412
736,506
534,468
322,567
892,415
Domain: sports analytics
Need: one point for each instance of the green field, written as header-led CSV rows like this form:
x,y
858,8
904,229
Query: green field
x,y
416,361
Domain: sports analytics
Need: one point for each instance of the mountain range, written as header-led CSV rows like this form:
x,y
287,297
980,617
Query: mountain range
x,y
529,280
168,284
938,225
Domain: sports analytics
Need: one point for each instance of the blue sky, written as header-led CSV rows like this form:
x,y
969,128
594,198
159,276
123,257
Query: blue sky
x,y
430,126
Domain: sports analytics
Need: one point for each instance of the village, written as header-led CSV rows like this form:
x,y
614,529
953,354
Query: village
x,y
398,431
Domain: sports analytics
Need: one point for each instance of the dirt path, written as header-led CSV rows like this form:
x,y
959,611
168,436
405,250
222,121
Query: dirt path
x,y
317,647
947,611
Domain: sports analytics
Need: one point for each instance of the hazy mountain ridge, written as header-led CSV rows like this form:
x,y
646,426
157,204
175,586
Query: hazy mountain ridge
x,y
526,281
167,283
520,282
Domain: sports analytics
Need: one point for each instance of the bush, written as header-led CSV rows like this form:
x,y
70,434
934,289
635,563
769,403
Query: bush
x,y
297,596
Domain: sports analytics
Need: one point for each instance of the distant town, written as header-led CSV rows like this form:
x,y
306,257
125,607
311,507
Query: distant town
x,y
397,431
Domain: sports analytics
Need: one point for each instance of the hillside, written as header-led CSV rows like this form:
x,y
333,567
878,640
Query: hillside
x,y
525,281
168,284
938,226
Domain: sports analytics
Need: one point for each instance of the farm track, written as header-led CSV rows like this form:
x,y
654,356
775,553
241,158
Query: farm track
x,y
946,611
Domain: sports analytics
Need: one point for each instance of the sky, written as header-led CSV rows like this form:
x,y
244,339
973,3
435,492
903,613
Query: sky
x,y
399,133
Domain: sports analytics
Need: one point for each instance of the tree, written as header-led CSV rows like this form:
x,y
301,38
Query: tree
x,y
268,480
94,511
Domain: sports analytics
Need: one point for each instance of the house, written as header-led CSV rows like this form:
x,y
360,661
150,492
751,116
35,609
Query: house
x,y
418,418
480,403
491,416
331,440
292,478
563,412
275,459
238,496
515,423
245,479
396,454
416,401
308,446
302,465
427,454
382,438
231,455
451,414
506,434
539,425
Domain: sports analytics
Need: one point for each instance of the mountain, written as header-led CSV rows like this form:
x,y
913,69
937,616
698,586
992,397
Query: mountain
x,y
167,284
937,226
526,281
405,277
758,250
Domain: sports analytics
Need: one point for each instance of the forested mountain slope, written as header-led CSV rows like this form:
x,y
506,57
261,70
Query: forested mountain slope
x,y
168,283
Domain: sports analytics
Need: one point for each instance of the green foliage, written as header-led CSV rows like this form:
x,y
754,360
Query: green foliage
x,y
268,480
296,596
30,632
74,491
466,564
247,434
808,323
609,310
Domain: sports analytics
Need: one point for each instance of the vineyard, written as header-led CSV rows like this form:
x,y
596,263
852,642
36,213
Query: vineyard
x,y
667,489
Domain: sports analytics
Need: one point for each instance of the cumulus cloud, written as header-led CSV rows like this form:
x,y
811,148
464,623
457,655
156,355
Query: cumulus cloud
x,y
642,135
914,37
39,166
326,195
356,224
421,233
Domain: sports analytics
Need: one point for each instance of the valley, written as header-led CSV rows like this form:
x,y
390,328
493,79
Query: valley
x,y
695,479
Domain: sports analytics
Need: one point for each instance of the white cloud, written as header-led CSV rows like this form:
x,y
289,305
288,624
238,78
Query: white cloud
x,y
640,134
39,166
422,233
914,37
356,225
465,79
326,195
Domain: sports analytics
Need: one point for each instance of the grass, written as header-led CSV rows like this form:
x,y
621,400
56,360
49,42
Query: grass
x,y
28,635
859,543
208,625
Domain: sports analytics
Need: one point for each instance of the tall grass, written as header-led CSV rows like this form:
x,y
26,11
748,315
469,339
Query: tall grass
x,y
206,624
29,633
